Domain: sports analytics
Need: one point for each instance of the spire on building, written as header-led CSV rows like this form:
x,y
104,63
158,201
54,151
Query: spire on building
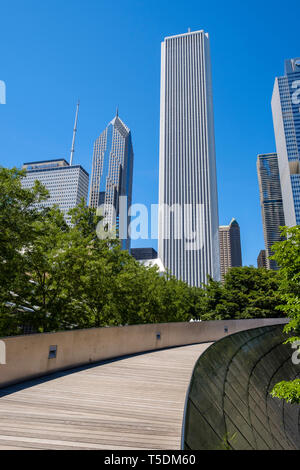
x,y
74,134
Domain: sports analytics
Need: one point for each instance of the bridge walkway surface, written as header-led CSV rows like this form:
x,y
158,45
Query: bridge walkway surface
x,y
136,402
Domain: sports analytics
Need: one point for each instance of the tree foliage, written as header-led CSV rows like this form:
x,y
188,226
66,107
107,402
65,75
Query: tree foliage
x,y
287,255
288,391
58,277
247,292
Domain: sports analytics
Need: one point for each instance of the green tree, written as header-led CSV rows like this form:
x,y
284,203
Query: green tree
x,y
17,216
254,291
247,292
287,255
58,277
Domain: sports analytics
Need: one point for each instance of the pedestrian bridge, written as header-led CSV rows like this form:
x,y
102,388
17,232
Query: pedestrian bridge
x,y
108,388
132,403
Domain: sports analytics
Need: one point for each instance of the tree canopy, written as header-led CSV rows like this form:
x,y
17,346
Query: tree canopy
x,y
56,276
287,255
247,292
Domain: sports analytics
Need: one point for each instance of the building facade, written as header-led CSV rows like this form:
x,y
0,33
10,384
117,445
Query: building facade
x,y
262,259
286,119
143,253
230,247
271,202
67,185
188,242
111,181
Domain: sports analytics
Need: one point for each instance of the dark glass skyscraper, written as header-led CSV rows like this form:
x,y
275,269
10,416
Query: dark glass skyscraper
x,y
270,202
112,176
230,247
262,259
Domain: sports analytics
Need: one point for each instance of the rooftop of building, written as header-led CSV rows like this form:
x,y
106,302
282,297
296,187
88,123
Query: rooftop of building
x,y
233,222
143,253
262,155
118,121
292,65
50,165
45,162
188,33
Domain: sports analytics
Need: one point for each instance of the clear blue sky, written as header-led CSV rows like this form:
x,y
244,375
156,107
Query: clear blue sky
x,y
108,54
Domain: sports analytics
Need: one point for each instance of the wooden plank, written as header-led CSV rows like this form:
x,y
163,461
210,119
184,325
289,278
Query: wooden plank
x,y
133,403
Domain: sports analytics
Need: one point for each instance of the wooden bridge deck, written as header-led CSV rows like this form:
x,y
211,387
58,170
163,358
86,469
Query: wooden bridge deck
x,y
132,403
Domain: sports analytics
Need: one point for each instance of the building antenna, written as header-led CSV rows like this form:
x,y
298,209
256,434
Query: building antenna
x,y
74,134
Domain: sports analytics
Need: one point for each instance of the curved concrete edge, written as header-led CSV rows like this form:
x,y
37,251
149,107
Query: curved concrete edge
x,y
182,441
28,357
185,409
207,352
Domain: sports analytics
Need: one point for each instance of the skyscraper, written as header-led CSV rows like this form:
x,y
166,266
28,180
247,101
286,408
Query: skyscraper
x,y
67,185
270,202
188,223
262,259
230,247
112,172
286,119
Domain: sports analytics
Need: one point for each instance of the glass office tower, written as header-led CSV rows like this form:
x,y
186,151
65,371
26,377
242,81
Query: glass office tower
x,y
286,119
111,179
188,242
270,202
230,247
262,259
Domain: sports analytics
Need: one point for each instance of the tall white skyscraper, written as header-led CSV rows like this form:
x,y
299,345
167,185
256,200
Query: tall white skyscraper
x,y
286,119
188,223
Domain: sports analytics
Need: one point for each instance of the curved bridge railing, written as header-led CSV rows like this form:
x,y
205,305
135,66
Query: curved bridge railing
x,y
229,404
31,356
